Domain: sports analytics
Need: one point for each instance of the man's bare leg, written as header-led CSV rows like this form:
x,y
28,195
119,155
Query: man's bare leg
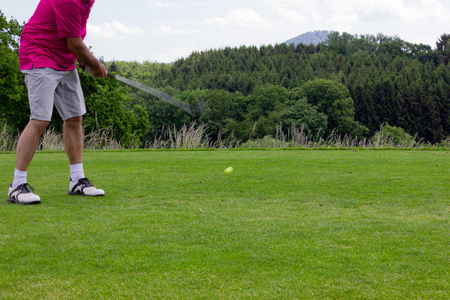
x,y
73,142
27,144
73,139
20,191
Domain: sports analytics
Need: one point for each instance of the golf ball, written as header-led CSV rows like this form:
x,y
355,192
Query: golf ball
x,y
228,170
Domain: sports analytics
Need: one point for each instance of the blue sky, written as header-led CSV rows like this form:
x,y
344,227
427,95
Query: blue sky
x,y
165,30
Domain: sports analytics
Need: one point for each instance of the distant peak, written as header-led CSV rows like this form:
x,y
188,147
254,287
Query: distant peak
x,y
308,38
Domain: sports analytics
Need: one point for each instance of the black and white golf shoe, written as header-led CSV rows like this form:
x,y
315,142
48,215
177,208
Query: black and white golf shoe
x,y
23,194
84,187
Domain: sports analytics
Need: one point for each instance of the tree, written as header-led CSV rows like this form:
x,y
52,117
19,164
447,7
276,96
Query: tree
x,y
108,105
268,98
333,99
303,115
218,103
443,46
13,105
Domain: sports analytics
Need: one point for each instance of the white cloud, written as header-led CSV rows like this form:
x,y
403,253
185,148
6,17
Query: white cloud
x,y
167,30
424,9
113,31
172,53
299,16
345,13
241,17
164,4
291,15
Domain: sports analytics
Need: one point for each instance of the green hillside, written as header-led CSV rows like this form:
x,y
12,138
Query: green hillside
x,y
374,79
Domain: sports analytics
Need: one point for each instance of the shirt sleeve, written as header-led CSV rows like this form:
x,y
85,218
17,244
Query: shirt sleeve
x,y
69,20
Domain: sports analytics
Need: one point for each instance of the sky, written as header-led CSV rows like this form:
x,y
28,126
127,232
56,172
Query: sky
x,y
166,30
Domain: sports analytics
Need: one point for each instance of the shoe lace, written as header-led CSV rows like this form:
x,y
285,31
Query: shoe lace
x,y
26,188
85,182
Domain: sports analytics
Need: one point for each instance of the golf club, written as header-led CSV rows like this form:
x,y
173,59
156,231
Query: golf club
x,y
194,110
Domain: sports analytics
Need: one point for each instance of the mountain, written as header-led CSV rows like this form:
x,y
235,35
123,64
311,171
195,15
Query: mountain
x,y
312,37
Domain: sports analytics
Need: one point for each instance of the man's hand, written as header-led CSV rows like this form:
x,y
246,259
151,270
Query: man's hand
x,y
100,71
83,55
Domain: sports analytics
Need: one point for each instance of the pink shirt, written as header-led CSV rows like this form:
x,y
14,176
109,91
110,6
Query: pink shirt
x,y
43,42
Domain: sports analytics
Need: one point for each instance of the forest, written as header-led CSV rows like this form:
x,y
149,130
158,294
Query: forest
x,y
348,85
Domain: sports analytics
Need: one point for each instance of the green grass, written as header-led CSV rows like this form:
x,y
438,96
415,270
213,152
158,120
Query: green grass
x,y
286,224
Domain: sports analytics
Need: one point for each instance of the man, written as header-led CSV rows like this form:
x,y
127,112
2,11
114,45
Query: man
x,y
50,43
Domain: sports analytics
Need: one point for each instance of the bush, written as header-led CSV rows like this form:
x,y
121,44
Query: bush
x,y
391,136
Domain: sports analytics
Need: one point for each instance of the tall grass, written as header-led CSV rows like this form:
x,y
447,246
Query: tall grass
x,y
101,139
51,139
299,138
194,136
446,142
8,141
189,137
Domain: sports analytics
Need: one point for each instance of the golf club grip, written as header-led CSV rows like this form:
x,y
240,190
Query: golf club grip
x,y
86,69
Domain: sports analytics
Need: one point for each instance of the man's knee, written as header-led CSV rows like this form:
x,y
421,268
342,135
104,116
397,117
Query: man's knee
x,y
38,125
74,122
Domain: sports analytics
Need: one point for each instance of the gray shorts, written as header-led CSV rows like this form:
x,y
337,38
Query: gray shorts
x,y
48,86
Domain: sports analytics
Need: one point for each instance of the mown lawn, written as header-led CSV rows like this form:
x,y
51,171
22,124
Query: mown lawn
x,y
286,224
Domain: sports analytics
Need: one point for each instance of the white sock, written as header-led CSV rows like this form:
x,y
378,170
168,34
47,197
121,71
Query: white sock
x,y
20,177
76,172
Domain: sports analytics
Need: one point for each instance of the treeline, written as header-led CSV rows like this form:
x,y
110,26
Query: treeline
x,y
350,85
388,80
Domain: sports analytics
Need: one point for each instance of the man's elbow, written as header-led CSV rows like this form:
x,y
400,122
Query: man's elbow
x,y
75,44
